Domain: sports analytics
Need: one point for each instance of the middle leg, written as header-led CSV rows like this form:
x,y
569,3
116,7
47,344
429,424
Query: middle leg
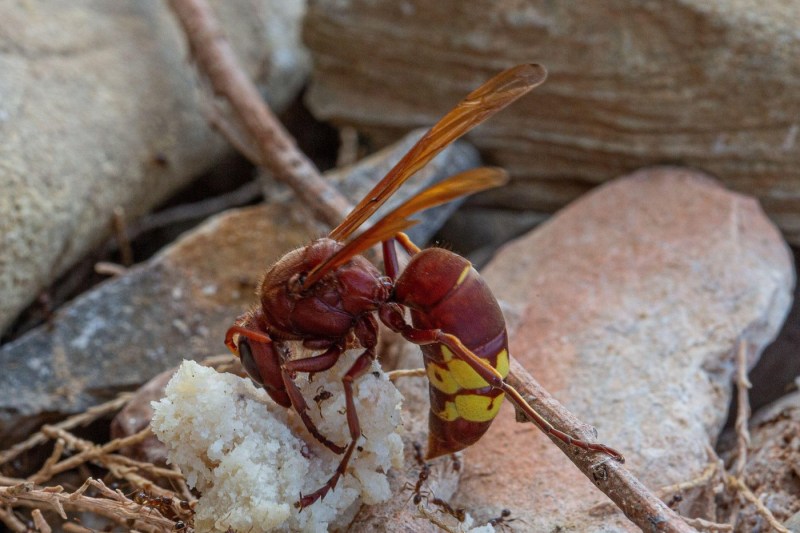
x,y
359,367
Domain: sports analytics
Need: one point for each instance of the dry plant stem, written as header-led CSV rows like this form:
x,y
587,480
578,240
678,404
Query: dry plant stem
x,y
107,268
277,149
394,375
120,466
700,480
39,521
12,522
72,527
640,505
248,192
743,386
81,419
121,233
663,492
705,525
738,485
119,509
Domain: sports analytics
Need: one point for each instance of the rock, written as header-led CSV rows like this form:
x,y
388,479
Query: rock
x,y
772,467
793,524
136,416
628,306
630,85
100,109
779,366
125,331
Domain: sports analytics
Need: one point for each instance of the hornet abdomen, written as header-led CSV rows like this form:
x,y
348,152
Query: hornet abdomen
x,y
445,292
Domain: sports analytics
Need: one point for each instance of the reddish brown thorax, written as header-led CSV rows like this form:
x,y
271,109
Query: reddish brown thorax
x,y
329,308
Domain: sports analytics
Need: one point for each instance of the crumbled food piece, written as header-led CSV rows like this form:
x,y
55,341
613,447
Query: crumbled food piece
x,y
251,459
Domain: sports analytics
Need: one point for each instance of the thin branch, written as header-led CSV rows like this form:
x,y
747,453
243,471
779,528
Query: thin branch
x,y
676,488
277,150
121,511
121,235
394,375
39,521
743,386
739,485
119,465
699,481
195,211
13,523
81,419
706,525
46,472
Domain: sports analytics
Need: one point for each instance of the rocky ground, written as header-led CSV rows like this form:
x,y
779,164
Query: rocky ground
x,y
656,303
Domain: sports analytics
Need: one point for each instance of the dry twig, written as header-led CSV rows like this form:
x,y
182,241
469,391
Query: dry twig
x,y
120,466
121,233
394,375
8,518
117,508
709,471
743,386
705,525
277,149
81,419
739,486
39,521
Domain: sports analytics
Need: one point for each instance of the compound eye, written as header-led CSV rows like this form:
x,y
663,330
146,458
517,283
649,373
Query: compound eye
x,y
248,361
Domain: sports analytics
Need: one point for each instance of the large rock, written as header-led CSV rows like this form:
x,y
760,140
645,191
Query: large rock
x,y
628,306
125,331
100,109
713,85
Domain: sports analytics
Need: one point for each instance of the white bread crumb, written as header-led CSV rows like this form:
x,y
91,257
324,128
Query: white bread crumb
x,y
250,459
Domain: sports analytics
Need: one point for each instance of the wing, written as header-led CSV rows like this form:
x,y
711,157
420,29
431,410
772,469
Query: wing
x,y
478,106
462,184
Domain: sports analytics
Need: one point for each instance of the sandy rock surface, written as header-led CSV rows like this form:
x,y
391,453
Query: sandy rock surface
x,y
628,306
100,109
712,85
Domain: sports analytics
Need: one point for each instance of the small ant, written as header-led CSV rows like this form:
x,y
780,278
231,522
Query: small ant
x,y
675,500
456,458
162,504
459,513
501,520
419,495
321,396
424,473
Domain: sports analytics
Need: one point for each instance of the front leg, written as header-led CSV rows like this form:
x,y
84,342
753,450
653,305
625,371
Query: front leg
x,y
260,356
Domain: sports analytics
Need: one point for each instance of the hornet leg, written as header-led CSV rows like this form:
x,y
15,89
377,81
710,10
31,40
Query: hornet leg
x,y
392,316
